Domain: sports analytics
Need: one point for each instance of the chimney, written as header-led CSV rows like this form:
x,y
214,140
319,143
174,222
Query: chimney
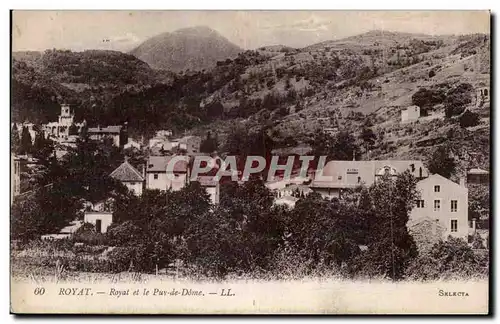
x,y
462,182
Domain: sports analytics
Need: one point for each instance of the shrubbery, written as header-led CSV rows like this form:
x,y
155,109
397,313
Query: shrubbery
x,y
247,234
451,259
469,119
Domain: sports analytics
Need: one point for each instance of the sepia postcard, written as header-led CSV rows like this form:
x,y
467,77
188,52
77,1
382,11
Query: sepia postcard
x,y
250,162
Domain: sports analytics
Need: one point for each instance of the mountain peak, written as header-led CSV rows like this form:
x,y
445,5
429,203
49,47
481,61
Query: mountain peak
x,y
194,48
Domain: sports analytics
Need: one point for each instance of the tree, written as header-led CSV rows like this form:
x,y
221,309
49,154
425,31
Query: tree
x,y
368,137
457,99
322,144
390,246
43,211
209,145
214,110
26,141
88,166
469,119
239,235
427,98
441,162
42,147
345,147
15,141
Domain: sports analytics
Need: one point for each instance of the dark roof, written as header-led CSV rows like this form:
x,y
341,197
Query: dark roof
x,y
126,173
108,129
159,164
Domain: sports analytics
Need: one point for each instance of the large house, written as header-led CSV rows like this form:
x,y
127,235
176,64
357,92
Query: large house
x,y
156,174
443,202
350,174
130,177
117,133
157,177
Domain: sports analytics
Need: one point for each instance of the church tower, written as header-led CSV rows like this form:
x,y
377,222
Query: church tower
x,y
66,117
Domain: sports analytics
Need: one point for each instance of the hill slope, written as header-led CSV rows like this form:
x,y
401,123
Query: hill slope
x,y
344,84
194,48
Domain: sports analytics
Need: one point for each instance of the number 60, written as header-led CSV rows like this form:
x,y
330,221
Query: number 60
x,y
39,291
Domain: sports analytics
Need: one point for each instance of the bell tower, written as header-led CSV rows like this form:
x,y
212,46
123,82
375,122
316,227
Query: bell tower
x,y
66,117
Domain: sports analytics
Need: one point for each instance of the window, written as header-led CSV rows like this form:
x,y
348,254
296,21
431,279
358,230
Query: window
x,y
454,225
420,203
437,188
437,205
454,206
155,176
340,177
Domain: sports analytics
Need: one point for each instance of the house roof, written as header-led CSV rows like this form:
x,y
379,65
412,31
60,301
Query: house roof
x,y
108,129
159,164
434,177
414,222
126,173
345,174
477,171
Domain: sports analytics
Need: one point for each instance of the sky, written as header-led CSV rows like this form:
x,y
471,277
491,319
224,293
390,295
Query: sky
x,y
124,30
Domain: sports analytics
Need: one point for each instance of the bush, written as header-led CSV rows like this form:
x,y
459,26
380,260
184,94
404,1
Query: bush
x,y
452,259
469,119
457,99
123,234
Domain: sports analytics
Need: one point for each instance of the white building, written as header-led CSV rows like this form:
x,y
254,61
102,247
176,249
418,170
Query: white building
x,y
59,130
351,174
130,177
100,220
156,174
444,202
157,177
410,114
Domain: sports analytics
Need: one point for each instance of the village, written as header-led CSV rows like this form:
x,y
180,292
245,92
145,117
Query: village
x,y
441,211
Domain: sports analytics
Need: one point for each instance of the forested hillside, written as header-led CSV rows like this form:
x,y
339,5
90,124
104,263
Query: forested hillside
x,y
354,84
